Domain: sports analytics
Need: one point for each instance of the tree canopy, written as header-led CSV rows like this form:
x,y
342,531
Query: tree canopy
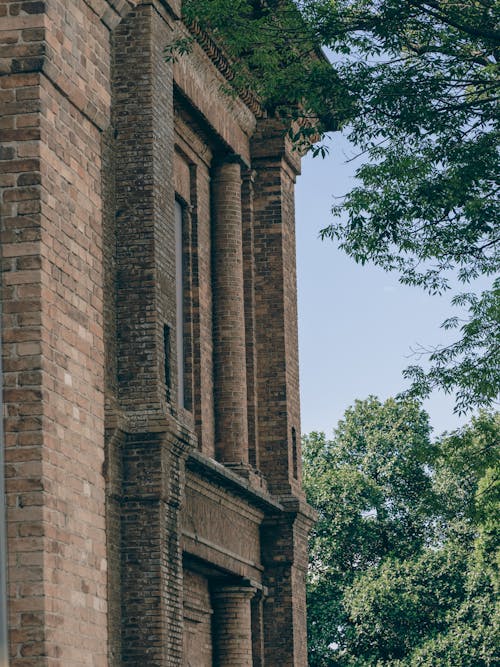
x,y
427,204
404,557
414,85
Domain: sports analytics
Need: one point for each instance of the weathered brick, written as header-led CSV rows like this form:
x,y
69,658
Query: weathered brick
x,y
33,7
6,153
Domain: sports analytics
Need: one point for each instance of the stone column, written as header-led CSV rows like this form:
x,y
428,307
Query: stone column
x,y
232,635
230,387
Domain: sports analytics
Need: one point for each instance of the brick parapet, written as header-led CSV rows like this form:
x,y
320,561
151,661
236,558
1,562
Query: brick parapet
x,y
205,88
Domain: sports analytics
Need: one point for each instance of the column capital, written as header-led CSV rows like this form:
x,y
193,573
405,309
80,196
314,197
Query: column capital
x,y
234,591
226,169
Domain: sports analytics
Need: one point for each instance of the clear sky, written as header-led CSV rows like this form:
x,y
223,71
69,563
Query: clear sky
x,y
357,324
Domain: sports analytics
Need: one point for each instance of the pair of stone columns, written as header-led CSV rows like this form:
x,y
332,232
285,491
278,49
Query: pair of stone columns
x,y
230,382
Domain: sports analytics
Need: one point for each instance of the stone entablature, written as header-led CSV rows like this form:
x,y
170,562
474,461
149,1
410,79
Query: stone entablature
x,y
154,507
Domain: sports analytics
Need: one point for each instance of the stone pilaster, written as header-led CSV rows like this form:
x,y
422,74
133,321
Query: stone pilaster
x,y
232,626
230,388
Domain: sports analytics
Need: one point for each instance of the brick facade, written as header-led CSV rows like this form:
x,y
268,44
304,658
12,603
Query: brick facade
x,y
152,467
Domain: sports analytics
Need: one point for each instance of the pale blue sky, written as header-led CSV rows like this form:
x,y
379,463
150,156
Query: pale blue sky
x,y
356,324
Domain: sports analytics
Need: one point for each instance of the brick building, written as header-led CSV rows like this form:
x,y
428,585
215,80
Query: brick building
x,y
154,510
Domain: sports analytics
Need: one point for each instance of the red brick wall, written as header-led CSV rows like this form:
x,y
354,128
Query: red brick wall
x,y
198,620
22,361
73,361
52,330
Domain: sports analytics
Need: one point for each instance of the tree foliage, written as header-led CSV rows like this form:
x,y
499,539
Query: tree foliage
x,y
414,85
427,204
404,558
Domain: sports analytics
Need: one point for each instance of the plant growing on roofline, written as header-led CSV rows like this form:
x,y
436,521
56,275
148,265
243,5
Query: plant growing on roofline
x,y
414,86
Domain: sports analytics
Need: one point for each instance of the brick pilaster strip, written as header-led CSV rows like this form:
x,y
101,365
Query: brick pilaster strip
x,y
284,556
276,167
143,121
151,559
151,458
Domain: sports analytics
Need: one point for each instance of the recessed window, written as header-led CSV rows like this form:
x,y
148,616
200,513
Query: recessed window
x,y
295,454
179,282
167,361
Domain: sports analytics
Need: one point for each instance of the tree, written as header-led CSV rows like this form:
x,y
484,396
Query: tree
x,y
404,558
414,85
370,486
427,204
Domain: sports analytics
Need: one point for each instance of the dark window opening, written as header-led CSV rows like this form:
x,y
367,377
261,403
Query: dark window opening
x,y
179,281
295,461
167,361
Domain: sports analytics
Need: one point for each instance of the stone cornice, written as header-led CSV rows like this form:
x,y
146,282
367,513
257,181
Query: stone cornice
x,y
211,469
111,12
223,64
